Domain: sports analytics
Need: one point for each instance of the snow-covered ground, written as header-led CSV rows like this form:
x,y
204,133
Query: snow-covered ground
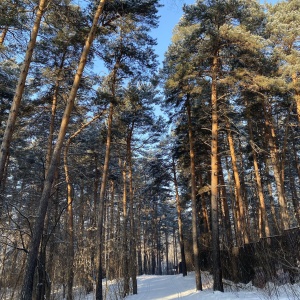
x,y
151,287
178,287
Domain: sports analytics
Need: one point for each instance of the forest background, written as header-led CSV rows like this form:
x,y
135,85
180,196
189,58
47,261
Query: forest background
x,y
95,185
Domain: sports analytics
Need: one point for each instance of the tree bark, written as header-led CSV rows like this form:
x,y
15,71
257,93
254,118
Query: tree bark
x,y
125,258
53,114
70,226
193,196
179,218
99,295
27,286
3,35
217,272
270,135
233,198
295,198
224,206
263,223
276,227
11,121
295,80
133,265
241,222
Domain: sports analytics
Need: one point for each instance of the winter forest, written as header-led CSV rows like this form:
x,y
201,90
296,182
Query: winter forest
x,y
113,166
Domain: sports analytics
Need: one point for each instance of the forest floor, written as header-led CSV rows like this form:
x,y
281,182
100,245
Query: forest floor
x,y
152,287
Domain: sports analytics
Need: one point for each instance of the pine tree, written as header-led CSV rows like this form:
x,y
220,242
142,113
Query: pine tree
x,y
6,140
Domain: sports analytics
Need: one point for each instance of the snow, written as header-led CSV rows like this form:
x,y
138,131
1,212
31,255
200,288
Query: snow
x,y
152,287
171,287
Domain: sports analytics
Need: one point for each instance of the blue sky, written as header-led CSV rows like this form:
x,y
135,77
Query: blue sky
x,y
170,14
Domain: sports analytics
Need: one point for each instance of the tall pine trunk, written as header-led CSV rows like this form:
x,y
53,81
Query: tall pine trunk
x,y
224,206
193,196
275,219
27,286
53,114
179,218
99,292
263,223
216,260
271,137
12,117
70,219
241,222
133,262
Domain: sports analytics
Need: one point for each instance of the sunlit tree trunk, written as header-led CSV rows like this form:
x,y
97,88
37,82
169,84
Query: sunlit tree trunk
x,y
53,114
224,206
12,117
3,35
27,286
241,222
216,260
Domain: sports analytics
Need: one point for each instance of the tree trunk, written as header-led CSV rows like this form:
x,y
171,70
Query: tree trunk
x,y
20,89
270,135
125,258
216,261
193,196
295,80
241,222
70,227
263,223
167,251
53,114
204,212
70,219
41,270
179,218
99,295
133,266
224,207
3,35
139,237
110,271
232,197
27,286
295,198
276,228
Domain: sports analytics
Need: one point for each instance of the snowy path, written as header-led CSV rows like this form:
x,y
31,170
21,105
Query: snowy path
x,y
163,287
171,287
